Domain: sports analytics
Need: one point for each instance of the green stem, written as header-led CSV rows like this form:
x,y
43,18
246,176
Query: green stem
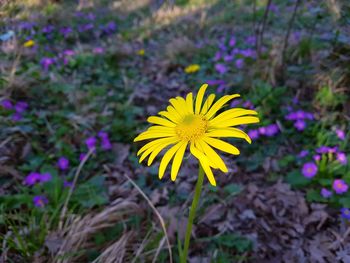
x,y
197,193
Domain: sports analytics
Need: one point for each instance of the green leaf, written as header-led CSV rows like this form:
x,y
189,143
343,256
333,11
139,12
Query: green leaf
x,y
296,179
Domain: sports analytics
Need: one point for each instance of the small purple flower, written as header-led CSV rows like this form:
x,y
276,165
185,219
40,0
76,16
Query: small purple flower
x,y
98,50
271,130
40,201
21,106
45,177
239,63
82,156
213,82
341,157
102,135
90,143
340,134
291,116
63,163
32,178
248,53
67,184
68,53
323,149
309,169
221,68
262,130
345,213
316,157
303,153
65,31
46,63
232,41
228,58
339,186
253,134
7,104
235,103
217,56
48,29
106,144
250,40
325,193
300,125
17,116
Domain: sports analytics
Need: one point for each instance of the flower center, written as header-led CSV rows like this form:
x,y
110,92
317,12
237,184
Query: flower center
x,y
192,127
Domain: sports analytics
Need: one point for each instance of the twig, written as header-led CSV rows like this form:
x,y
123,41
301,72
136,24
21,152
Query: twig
x,y
153,208
266,15
285,45
71,189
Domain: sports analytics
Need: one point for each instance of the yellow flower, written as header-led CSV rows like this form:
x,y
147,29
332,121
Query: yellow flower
x,y
29,43
141,52
192,68
186,122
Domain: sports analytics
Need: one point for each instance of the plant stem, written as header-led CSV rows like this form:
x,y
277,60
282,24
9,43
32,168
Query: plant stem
x,y
197,193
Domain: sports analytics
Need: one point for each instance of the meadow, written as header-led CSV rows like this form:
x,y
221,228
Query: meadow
x,y
82,172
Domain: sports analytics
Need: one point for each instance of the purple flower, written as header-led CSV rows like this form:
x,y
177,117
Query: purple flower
x,y
235,103
68,53
316,157
271,130
65,31
221,88
45,177
40,201
63,163
21,106
239,63
303,153
110,27
228,58
48,29
82,156
322,150
215,82
16,116
217,56
339,186
345,213
7,104
102,135
248,104
325,193
341,157
253,134
309,170
250,40
90,142
221,68
300,125
46,62
340,134
98,50
67,183
232,41
262,130
106,144
291,116
248,53
32,178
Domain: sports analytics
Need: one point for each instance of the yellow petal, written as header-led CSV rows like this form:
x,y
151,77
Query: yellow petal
x,y
152,135
152,143
213,156
229,132
160,121
159,148
236,121
204,162
177,161
170,116
167,157
178,107
210,161
221,145
183,105
161,129
219,104
231,114
208,102
189,102
199,98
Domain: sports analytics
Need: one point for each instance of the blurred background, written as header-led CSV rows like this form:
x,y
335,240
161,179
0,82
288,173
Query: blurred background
x,y
78,80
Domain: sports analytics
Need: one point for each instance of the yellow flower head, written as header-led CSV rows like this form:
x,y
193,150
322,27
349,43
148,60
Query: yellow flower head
x,y
192,68
141,52
193,123
29,43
